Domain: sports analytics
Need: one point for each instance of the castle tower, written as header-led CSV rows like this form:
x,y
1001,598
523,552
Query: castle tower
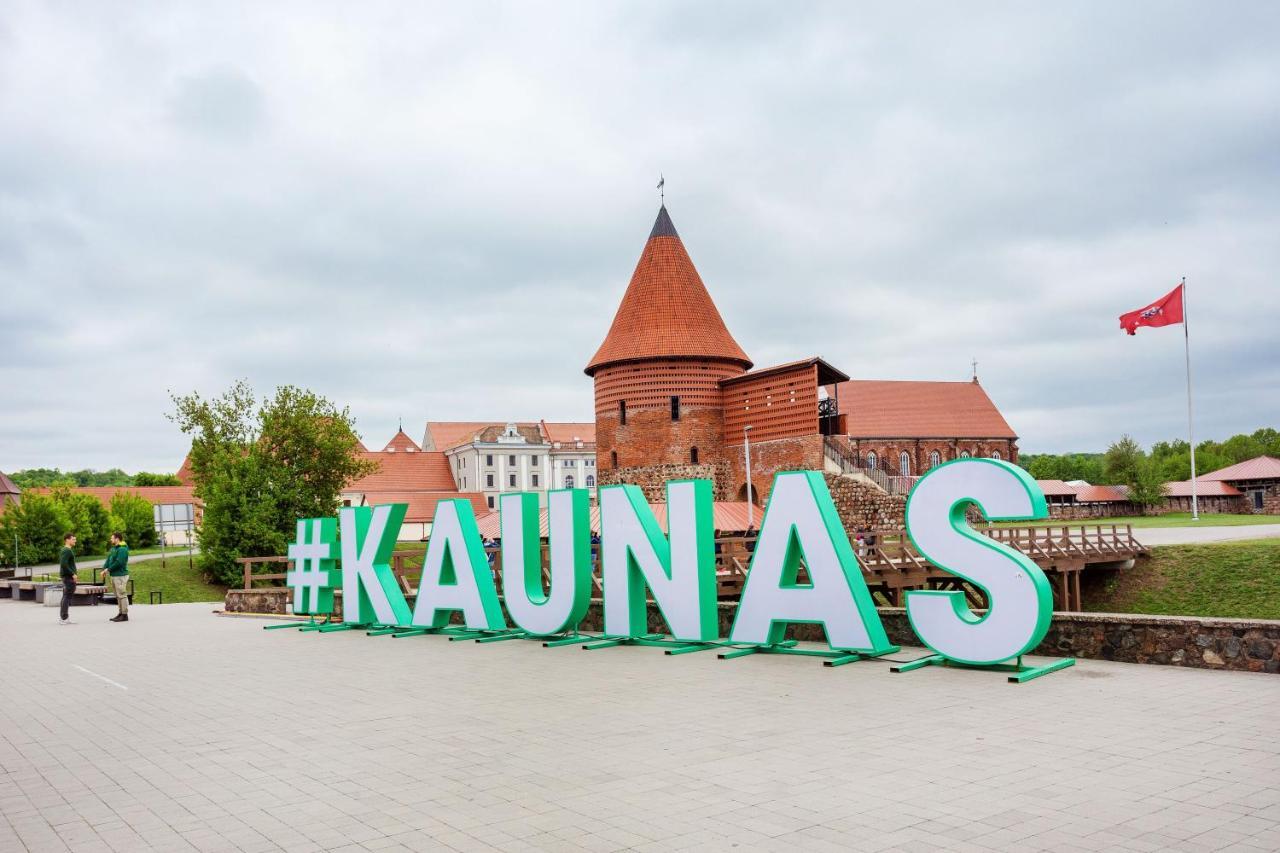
x,y
657,374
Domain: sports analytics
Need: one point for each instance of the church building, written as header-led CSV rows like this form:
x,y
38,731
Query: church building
x,y
676,396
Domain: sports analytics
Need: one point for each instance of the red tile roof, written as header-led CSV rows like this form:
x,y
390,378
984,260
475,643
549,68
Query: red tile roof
x,y
1056,488
1259,468
1204,489
1102,494
897,409
422,504
401,443
666,311
152,494
184,471
425,470
569,432
443,435
727,517
8,487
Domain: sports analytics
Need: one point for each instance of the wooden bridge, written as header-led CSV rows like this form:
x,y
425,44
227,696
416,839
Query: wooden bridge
x,y
890,563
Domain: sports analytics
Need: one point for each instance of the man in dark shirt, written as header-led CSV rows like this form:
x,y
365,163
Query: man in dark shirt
x,y
115,571
67,571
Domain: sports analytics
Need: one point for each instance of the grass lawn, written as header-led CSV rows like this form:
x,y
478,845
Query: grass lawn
x,y
1173,519
1235,579
181,584
134,552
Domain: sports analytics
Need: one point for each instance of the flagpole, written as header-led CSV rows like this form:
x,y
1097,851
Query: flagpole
x,y
1191,423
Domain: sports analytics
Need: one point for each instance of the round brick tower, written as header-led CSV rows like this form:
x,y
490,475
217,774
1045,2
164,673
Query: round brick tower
x,y
657,374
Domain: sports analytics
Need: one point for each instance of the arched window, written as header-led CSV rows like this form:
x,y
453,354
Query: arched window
x,y
693,456
904,463
568,481
591,481
935,459
995,454
871,460
964,454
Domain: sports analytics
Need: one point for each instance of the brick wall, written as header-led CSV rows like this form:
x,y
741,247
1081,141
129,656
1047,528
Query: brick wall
x,y
888,450
803,453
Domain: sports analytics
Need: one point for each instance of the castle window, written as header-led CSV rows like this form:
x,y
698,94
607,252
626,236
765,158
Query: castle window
x,y
490,501
535,480
871,460
613,457
693,456
511,460
935,459
488,480
622,412
568,481
675,408
488,459
512,480
591,481
904,463
995,454
964,454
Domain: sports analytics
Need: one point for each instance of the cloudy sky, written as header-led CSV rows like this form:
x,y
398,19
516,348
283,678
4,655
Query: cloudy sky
x,y
432,212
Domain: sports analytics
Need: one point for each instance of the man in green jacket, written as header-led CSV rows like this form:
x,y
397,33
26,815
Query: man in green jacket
x,y
67,571
117,569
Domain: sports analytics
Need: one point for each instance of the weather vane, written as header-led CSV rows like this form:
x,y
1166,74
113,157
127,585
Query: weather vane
x,y
662,193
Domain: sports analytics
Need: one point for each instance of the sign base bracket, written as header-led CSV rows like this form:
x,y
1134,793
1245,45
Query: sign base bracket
x,y
832,657
1018,672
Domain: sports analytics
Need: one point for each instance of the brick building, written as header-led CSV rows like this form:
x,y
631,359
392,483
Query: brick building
x,y
676,396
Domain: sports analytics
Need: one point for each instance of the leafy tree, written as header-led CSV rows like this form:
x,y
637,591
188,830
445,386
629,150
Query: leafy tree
x,y
260,466
1146,483
145,478
1123,458
134,517
37,526
88,519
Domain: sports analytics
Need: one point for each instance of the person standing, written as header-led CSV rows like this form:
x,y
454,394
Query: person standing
x,y
117,568
67,571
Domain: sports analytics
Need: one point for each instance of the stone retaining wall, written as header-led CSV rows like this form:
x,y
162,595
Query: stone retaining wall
x,y
1236,644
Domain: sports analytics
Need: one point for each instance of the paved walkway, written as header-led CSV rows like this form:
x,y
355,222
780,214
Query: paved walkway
x,y
52,568
1192,535
185,731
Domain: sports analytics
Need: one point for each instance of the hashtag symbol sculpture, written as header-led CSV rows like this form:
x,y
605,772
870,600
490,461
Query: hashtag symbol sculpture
x,y
315,560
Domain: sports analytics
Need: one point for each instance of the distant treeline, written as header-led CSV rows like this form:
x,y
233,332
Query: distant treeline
x,y
33,478
1170,459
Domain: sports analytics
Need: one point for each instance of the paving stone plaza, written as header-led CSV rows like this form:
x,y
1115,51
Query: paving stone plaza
x,y
187,731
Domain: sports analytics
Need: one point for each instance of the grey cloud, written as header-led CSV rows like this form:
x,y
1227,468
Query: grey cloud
x,y
435,212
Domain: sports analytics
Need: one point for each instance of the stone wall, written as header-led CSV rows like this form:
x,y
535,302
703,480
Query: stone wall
x,y
1236,644
652,479
866,507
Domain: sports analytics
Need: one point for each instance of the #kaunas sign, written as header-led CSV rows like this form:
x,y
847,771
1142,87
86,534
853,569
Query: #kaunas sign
x,y
800,527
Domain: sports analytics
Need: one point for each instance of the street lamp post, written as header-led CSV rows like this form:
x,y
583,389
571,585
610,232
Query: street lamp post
x,y
746,454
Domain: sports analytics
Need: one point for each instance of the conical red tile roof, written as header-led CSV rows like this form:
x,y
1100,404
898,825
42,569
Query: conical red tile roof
x,y
666,311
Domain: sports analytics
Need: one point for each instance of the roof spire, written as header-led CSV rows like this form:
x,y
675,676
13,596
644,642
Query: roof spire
x,y
662,193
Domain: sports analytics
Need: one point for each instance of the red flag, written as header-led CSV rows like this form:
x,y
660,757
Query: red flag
x,y
1165,311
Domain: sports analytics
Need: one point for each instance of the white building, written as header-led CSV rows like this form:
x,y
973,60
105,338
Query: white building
x,y
492,458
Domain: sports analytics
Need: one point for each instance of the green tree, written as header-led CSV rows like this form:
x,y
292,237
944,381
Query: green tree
x,y
260,466
87,517
145,478
1120,465
1146,486
36,526
134,517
